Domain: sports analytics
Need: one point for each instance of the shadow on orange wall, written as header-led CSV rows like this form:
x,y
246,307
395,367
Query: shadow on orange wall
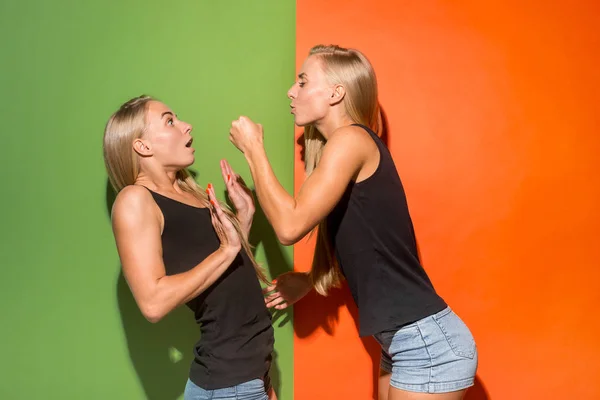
x,y
493,115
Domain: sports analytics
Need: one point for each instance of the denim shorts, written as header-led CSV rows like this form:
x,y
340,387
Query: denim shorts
x,y
436,354
251,390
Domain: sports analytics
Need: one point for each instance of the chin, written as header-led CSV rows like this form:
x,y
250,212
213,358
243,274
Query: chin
x,y
301,123
188,163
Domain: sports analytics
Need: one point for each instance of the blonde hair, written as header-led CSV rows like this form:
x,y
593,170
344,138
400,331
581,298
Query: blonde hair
x,y
126,125
351,69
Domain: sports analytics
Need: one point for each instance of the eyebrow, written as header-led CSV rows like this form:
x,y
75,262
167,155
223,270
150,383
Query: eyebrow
x,y
167,112
302,75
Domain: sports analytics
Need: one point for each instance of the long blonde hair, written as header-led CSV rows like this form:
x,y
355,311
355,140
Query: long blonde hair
x,y
122,163
351,69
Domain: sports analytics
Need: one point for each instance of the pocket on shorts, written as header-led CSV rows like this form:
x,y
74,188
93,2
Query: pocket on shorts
x,y
457,334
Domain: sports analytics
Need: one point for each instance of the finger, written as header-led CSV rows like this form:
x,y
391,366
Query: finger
x,y
239,191
209,194
269,289
282,306
235,194
214,219
216,226
228,168
226,225
272,297
231,175
276,302
212,198
218,210
225,172
241,184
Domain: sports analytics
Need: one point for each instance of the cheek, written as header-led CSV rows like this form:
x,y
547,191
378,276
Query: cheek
x,y
314,101
165,143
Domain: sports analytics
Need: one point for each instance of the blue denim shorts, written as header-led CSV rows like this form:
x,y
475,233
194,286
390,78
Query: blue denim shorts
x,y
436,354
251,390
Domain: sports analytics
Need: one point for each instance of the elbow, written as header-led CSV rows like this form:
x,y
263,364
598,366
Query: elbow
x,y
152,313
153,318
288,237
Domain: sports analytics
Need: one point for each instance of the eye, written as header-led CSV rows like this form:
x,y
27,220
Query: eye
x,y
301,84
170,122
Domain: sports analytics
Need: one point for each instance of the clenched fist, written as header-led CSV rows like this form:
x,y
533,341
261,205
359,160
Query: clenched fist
x,y
245,134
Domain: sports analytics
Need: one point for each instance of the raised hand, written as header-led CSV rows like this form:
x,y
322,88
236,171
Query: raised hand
x,y
228,236
245,134
240,195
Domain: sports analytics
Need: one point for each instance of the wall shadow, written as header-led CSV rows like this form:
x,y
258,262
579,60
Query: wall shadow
x,y
478,391
262,233
317,312
161,353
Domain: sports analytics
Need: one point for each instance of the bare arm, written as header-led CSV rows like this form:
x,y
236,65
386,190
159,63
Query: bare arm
x,y
137,230
292,218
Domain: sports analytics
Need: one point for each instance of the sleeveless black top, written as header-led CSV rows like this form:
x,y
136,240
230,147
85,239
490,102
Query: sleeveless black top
x,y
376,249
236,337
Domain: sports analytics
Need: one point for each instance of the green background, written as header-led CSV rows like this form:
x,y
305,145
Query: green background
x,y
70,328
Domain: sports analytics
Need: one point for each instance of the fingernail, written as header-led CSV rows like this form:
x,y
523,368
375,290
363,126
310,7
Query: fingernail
x,y
212,202
210,186
207,192
228,178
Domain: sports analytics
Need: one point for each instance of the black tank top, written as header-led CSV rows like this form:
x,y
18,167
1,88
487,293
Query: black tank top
x,y
375,245
236,336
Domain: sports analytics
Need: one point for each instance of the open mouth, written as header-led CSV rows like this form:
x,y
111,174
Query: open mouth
x,y
189,143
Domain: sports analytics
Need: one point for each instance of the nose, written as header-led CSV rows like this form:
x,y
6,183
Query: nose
x,y
187,128
291,94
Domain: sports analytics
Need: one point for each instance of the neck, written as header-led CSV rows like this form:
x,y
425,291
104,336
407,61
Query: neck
x,y
333,122
157,179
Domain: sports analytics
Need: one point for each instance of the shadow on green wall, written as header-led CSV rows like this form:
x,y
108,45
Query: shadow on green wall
x,y
161,353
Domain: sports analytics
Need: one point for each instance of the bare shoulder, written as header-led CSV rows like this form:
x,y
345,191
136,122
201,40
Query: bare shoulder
x,y
132,203
350,140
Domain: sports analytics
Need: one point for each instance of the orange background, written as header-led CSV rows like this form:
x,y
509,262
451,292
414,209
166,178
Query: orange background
x,y
493,113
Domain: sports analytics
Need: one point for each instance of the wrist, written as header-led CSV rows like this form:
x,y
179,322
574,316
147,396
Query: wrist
x,y
254,152
229,252
245,217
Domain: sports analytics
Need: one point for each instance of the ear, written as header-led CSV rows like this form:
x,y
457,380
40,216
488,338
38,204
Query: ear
x,y
142,148
337,94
